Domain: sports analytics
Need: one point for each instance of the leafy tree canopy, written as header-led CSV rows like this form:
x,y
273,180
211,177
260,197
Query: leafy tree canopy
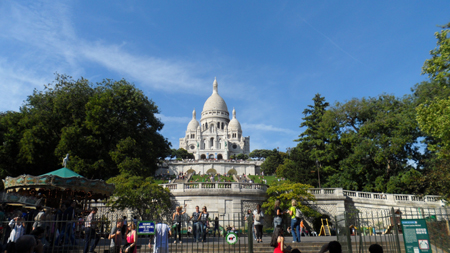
x,y
286,191
261,153
375,140
270,165
107,128
142,195
181,153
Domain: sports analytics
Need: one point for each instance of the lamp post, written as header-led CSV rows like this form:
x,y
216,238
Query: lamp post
x,y
318,171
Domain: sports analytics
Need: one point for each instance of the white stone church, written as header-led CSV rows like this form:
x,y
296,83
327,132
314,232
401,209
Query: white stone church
x,y
216,136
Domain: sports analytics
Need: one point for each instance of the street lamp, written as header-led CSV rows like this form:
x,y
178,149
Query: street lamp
x,y
318,171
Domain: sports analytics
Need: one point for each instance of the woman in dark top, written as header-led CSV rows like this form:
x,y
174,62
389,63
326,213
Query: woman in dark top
x,y
278,215
177,219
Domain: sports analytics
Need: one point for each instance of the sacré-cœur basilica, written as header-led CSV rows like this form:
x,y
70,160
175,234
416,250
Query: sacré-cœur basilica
x,y
216,136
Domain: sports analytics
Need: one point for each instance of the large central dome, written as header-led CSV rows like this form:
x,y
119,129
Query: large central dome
x,y
215,102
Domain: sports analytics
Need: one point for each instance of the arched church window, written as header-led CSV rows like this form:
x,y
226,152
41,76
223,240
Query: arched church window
x,y
222,125
206,125
218,125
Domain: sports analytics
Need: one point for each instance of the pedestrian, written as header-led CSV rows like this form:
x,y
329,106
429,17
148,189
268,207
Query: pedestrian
x,y
124,226
278,215
91,231
204,222
25,244
249,212
258,216
375,248
177,219
196,224
216,227
116,237
17,226
39,220
295,221
130,247
277,240
66,231
332,247
161,241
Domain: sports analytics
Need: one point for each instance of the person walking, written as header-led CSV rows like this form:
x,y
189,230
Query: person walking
x,y
258,216
295,221
161,241
116,237
196,224
91,231
216,227
278,215
177,219
204,222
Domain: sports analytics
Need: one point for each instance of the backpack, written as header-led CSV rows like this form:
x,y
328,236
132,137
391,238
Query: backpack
x,y
298,213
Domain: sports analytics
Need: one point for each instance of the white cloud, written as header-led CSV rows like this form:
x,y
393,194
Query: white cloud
x,y
44,40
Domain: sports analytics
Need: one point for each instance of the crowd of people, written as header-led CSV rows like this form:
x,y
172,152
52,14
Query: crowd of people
x,y
49,226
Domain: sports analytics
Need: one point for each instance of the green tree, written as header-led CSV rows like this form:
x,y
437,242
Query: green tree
x,y
181,153
432,114
141,195
309,155
271,163
260,153
285,192
107,128
377,142
438,67
242,156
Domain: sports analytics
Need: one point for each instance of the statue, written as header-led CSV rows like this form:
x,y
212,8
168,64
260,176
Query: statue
x,y
197,144
65,160
226,144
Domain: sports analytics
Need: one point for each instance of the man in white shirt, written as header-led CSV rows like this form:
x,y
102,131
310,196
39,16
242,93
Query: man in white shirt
x,y
162,233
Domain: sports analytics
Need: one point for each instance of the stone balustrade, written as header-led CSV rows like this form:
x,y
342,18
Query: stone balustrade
x,y
217,187
192,161
357,195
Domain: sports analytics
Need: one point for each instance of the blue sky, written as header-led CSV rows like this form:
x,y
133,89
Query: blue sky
x,y
270,57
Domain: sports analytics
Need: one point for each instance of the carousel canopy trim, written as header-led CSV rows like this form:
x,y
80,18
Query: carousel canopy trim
x,y
96,188
63,172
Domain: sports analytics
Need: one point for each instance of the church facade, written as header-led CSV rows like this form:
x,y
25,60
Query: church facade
x,y
216,136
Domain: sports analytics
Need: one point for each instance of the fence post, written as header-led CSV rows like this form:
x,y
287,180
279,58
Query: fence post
x,y
250,233
397,241
349,240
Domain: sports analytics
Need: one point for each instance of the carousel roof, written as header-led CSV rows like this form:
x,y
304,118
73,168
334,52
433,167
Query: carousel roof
x,y
59,180
63,172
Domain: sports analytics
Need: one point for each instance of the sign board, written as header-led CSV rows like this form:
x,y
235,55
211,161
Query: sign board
x,y
415,236
146,228
231,238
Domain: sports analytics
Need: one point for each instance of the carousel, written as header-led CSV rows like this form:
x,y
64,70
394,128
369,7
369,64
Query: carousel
x,y
55,188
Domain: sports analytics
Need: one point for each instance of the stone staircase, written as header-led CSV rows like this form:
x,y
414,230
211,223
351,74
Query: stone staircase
x,y
304,247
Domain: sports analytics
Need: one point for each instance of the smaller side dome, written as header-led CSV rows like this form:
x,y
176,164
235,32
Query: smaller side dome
x,y
193,124
234,123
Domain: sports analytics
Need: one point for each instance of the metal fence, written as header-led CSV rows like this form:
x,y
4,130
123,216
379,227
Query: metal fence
x,y
356,231
70,236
